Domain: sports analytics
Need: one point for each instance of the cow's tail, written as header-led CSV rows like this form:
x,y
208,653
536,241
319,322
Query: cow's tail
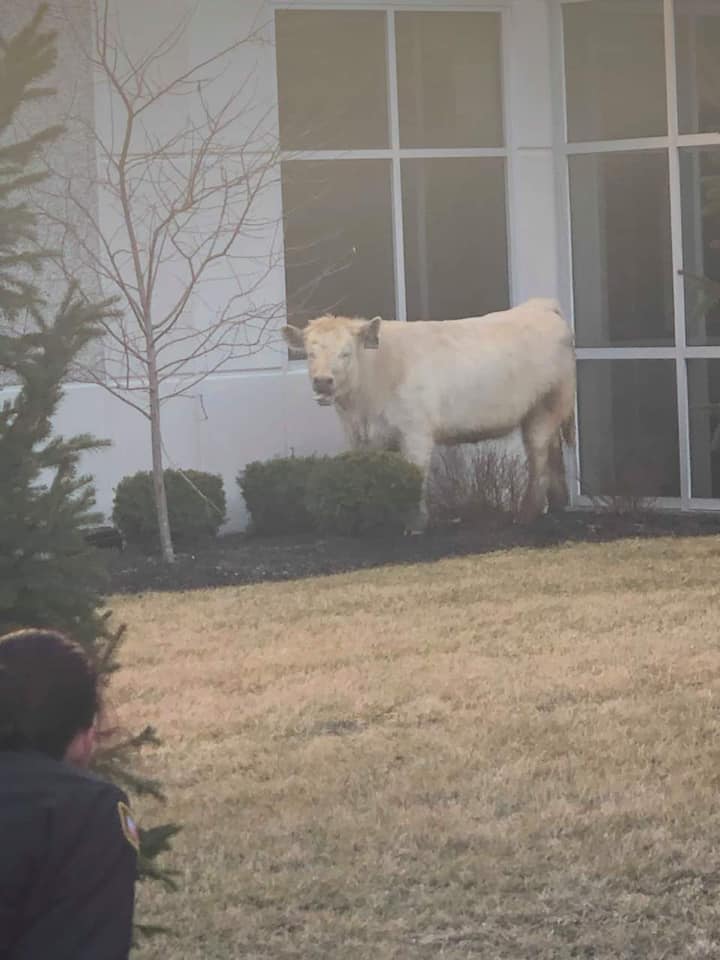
x,y
568,428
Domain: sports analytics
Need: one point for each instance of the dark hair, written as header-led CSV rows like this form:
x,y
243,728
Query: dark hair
x,y
49,691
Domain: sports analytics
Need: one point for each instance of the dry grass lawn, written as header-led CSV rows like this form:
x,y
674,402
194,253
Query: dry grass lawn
x,y
514,756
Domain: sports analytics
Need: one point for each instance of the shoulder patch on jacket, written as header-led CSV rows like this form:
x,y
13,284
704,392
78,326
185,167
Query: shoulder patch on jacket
x,y
129,827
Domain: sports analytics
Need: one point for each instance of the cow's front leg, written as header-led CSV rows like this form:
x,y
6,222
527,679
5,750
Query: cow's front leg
x,y
355,437
359,435
418,450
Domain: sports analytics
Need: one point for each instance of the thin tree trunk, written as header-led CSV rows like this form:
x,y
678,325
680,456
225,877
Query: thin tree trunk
x,y
166,544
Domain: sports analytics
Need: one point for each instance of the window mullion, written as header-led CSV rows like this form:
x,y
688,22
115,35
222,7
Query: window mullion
x,y
677,253
615,146
699,139
508,113
562,205
397,212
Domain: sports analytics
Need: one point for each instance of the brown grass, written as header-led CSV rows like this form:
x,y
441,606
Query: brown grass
x,y
516,756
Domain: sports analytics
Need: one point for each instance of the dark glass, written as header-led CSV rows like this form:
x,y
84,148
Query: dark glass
x,y
332,79
615,69
449,79
338,238
697,44
622,250
628,428
704,406
455,232
700,186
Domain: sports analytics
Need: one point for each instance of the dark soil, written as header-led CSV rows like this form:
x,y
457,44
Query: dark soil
x,y
238,559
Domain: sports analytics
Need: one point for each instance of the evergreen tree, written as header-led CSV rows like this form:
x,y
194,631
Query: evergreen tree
x,y
49,574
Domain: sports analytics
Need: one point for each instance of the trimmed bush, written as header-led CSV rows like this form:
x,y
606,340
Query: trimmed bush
x,y
194,516
363,492
274,492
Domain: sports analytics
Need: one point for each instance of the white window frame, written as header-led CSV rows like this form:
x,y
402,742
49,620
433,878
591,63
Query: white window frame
x,y
672,143
395,153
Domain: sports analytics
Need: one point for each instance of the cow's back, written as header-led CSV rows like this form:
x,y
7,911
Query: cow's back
x,y
471,377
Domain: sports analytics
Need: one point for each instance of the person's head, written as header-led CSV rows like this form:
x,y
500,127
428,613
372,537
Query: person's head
x,y
49,696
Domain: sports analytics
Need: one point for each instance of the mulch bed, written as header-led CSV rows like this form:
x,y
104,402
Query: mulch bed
x,y
239,559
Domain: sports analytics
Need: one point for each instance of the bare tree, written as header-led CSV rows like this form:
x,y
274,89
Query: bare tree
x,y
186,167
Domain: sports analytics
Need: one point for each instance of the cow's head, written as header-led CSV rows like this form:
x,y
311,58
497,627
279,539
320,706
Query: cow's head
x,y
332,345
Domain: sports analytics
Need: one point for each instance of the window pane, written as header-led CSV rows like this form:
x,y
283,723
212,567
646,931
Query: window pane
x,y
332,82
338,238
449,79
455,237
700,184
615,69
698,66
704,402
622,253
628,428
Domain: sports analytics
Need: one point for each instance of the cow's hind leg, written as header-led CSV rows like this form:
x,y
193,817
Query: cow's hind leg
x,y
539,433
558,496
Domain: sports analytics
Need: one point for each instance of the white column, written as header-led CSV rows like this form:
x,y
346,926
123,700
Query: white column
x,y
529,133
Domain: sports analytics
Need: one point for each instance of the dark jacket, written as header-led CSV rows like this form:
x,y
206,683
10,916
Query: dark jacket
x,y
67,863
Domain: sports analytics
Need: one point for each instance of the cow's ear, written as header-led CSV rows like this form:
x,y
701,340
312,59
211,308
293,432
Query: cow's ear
x,y
370,335
294,338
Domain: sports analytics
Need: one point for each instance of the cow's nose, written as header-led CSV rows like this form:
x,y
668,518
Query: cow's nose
x,y
323,384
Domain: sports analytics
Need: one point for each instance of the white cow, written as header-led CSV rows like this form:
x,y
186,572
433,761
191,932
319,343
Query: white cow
x,y
408,386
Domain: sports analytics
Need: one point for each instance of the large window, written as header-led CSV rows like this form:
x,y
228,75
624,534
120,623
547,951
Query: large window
x,y
642,95
394,162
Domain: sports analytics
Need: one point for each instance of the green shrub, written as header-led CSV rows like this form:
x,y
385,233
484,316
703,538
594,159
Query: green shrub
x,y
194,517
274,492
363,492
